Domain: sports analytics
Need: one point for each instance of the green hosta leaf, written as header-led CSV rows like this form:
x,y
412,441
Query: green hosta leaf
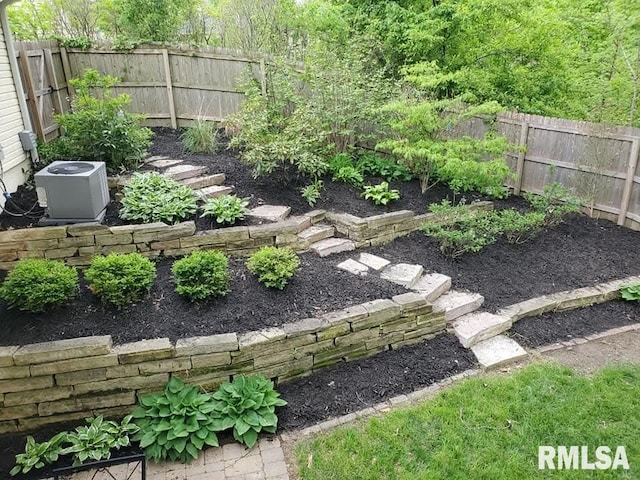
x,y
251,418
250,438
198,442
268,420
211,440
179,444
147,439
241,426
192,450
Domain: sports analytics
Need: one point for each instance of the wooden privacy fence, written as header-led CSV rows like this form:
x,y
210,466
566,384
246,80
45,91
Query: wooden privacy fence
x,y
598,162
173,86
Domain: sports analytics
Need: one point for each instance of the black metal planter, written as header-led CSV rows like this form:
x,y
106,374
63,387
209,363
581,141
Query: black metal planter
x,y
104,465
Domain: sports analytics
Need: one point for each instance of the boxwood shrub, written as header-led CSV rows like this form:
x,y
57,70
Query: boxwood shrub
x,y
274,266
201,275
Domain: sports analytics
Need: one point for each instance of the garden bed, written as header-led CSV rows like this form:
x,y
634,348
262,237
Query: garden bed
x,y
562,326
579,252
317,288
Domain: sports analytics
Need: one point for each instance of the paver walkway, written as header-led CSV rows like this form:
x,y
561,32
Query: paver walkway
x,y
265,461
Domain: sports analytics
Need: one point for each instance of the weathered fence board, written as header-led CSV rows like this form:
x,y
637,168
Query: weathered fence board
x,y
172,87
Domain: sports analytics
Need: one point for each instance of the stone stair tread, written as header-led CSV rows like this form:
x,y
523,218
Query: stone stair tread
x,y
164,163
272,213
432,286
498,351
317,232
354,267
203,181
214,191
373,261
477,326
184,171
329,246
455,304
405,274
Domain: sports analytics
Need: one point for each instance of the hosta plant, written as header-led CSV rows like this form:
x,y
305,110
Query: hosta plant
x,y
98,438
151,197
226,209
630,292
37,455
248,405
380,194
177,423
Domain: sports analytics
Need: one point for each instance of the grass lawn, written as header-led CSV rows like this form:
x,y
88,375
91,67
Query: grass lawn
x,y
489,428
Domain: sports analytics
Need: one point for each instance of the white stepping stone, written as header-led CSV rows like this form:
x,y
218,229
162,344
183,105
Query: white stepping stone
x,y
353,267
455,304
405,274
272,213
204,181
432,285
164,163
332,245
214,191
373,261
478,326
498,351
180,172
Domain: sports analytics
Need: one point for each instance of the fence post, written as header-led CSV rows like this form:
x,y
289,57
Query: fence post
x,y
167,74
628,181
53,78
36,115
524,134
66,68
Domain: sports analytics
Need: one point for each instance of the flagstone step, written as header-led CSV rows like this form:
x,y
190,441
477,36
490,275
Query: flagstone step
x,y
405,274
204,181
271,213
351,266
498,351
475,327
215,191
455,304
317,232
184,171
164,163
432,286
373,261
329,246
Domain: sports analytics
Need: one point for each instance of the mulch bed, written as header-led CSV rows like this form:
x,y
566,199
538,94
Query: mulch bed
x,y
273,190
318,287
562,326
338,390
578,253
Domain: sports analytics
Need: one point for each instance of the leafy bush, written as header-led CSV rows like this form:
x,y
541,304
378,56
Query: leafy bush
x,y
99,128
459,230
121,279
227,209
151,197
274,266
384,167
630,292
555,202
36,285
349,175
519,227
201,275
248,405
37,455
176,423
312,192
380,194
340,160
200,137
96,440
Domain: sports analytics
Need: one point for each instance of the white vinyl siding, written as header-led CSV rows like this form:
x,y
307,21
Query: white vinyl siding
x,y
15,158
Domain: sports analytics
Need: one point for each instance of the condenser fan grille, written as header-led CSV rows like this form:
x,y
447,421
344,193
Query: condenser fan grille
x,y
71,168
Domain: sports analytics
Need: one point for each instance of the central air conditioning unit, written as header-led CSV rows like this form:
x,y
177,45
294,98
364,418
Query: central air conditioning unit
x,y
72,192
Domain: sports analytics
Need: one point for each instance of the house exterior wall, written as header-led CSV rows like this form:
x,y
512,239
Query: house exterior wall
x,y
15,165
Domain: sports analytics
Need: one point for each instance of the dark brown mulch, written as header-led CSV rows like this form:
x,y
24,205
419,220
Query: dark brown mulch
x,y
318,287
348,387
562,326
580,252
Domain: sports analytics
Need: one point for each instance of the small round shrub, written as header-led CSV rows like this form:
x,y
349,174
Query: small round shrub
x,y
36,285
274,266
121,279
201,275
150,197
